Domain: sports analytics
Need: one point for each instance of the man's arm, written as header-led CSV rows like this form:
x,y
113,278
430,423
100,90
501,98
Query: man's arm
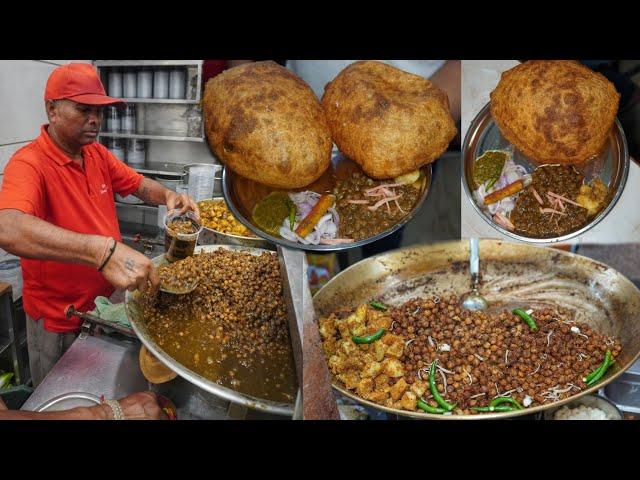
x,y
137,406
27,236
154,193
99,412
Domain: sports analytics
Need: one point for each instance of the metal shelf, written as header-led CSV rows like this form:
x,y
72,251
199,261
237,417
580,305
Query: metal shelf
x,y
151,171
140,206
152,137
146,63
181,101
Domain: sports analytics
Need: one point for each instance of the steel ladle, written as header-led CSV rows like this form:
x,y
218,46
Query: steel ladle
x,y
473,300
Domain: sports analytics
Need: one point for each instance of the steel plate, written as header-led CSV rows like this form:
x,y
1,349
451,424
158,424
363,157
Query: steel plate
x,y
242,194
611,166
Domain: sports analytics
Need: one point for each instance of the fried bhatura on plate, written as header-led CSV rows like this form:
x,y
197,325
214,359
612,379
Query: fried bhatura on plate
x,y
555,111
267,125
388,121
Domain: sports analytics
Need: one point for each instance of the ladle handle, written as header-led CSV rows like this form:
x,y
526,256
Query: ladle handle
x,y
474,259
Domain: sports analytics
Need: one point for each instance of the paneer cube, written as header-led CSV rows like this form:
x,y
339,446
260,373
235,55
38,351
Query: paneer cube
x,y
371,369
377,397
392,367
353,363
348,347
398,389
396,349
327,327
419,387
336,364
356,321
350,380
379,320
391,338
408,401
379,349
365,386
382,382
343,328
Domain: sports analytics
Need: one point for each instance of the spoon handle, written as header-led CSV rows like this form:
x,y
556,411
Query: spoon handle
x,y
474,260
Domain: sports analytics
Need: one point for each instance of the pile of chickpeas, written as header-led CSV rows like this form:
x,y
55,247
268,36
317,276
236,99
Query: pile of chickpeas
x,y
175,279
215,215
483,355
238,302
181,226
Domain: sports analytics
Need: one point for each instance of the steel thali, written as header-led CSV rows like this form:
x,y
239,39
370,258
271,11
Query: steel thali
x,y
512,275
611,166
242,195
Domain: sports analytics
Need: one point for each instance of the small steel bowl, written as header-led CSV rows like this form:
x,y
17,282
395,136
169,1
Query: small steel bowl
x,y
209,236
594,401
613,164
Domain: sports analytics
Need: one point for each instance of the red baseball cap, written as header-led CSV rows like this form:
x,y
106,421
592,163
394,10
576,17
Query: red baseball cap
x,y
78,82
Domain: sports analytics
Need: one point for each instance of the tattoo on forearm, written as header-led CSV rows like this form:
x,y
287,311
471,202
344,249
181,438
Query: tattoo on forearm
x,y
143,194
129,264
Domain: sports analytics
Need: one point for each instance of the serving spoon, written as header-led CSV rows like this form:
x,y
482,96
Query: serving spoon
x,y
473,300
188,289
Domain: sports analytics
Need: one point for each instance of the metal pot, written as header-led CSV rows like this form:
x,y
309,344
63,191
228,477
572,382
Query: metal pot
x,y
512,274
249,401
209,236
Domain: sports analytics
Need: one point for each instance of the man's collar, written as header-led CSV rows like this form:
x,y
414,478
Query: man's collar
x,y
51,149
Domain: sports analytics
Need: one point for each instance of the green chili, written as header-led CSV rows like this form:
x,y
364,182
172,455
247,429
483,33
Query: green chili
x,y
428,408
607,357
369,338
600,371
292,215
498,400
527,318
434,389
378,305
497,408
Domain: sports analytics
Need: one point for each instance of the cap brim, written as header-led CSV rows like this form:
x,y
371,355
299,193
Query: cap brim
x,y
94,99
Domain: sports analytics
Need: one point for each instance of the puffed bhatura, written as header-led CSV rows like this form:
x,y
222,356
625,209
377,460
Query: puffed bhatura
x,y
267,125
388,121
555,111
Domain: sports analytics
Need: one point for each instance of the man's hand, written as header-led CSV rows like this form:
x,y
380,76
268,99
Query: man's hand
x,y
137,406
142,406
181,201
130,269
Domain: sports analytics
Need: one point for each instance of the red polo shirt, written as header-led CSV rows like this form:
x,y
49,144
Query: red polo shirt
x,y
40,180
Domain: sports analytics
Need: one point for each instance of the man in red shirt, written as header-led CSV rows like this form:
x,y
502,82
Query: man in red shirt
x,y
58,214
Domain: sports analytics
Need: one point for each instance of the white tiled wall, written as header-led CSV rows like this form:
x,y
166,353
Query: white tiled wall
x,y
22,85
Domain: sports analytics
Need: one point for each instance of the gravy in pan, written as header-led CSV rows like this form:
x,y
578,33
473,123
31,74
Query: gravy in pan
x,y
233,328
